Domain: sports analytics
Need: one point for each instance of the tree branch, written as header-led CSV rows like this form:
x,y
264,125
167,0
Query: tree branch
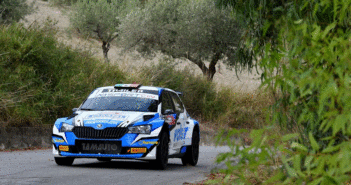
x,y
113,38
98,31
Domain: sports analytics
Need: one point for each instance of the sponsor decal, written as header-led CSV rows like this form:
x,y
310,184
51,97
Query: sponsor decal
x,y
128,85
63,148
148,96
148,142
179,134
127,92
106,116
122,90
170,120
136,150
177,145
58,140
99,147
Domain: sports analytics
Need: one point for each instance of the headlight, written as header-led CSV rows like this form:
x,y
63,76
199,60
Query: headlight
x,y
141,129
66,127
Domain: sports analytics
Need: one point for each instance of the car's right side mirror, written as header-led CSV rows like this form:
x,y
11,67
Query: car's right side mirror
x,y
74,110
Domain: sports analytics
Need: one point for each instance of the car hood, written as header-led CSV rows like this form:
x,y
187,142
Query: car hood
x,y
104,119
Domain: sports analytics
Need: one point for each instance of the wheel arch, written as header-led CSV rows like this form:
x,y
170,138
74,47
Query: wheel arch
x,y
165,128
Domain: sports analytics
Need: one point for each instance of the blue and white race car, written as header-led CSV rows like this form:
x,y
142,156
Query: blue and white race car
x,y
128,121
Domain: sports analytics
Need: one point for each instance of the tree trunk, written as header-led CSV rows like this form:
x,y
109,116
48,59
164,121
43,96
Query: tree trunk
x,y
212,67
211,70
105,49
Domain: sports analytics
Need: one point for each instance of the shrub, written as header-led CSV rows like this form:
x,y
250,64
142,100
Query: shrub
x,y
223,107
62,2
314,38
13,10
42,79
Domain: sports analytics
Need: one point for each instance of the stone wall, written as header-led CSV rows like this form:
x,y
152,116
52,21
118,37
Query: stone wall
x,y
25,137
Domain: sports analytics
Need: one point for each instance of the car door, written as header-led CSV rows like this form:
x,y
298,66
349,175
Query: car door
x,y
169,113
181,128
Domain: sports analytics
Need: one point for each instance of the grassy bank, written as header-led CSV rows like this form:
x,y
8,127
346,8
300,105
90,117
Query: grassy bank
x,y
42,79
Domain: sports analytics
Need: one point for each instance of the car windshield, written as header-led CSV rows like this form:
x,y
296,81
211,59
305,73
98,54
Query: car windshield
x,y
120,104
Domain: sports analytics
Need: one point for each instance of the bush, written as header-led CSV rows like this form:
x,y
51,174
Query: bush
x,y
62,2
220,106
13,10
42,79
310,46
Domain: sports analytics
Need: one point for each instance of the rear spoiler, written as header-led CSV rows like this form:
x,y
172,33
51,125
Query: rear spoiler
x,y
179,93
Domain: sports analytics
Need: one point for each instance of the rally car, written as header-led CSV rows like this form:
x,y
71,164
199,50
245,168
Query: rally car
x,y
128,121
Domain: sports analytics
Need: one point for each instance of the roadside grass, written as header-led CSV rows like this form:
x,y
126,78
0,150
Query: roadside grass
x,y
255,178
43,79
61,3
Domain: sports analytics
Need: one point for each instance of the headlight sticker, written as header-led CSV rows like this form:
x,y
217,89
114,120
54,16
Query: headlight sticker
x,y
58,140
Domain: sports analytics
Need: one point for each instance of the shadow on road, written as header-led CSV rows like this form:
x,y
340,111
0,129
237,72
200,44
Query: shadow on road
x,y
122,164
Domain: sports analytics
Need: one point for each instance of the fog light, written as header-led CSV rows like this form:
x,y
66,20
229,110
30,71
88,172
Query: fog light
x,y
64,148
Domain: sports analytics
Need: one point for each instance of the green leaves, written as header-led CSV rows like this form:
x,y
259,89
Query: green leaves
x,y
14,10
314,143
193,30
314,85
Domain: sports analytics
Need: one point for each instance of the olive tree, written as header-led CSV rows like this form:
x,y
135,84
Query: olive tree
x,y
191,29
13,10
98,18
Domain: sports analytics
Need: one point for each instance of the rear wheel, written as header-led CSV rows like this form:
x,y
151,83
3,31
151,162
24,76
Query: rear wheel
x,y
64,161
192,152
162,151
102,159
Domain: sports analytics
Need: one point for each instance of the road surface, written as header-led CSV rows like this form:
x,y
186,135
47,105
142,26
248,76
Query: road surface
x,y
38,167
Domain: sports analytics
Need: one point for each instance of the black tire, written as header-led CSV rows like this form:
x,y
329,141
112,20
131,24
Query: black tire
x,y
102,159
64,161
162,151
192,152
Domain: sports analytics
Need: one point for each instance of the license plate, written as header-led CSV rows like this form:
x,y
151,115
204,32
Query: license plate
x,y
102,147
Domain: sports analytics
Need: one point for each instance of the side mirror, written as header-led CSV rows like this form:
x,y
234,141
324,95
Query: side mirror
x,y
74,110
178,115
179,93
168,111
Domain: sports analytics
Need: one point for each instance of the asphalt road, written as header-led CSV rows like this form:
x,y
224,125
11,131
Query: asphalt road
x,y
38,167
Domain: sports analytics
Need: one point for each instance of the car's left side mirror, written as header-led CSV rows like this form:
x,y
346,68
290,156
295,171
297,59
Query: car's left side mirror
x,y
74,110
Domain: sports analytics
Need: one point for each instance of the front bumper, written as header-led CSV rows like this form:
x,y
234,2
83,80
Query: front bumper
x,y
129,146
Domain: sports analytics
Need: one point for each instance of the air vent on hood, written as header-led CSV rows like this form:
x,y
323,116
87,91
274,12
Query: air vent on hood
x,y
148,117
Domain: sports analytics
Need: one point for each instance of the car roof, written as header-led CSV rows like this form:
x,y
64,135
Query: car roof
x,y
142,87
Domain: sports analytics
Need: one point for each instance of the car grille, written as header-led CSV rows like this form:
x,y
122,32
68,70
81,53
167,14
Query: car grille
x,y
107,133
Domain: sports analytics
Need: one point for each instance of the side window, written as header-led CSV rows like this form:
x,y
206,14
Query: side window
x,y
178,105
166,102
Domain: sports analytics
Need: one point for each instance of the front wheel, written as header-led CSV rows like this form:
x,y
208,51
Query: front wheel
x,y
64,161
162,151
192,152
